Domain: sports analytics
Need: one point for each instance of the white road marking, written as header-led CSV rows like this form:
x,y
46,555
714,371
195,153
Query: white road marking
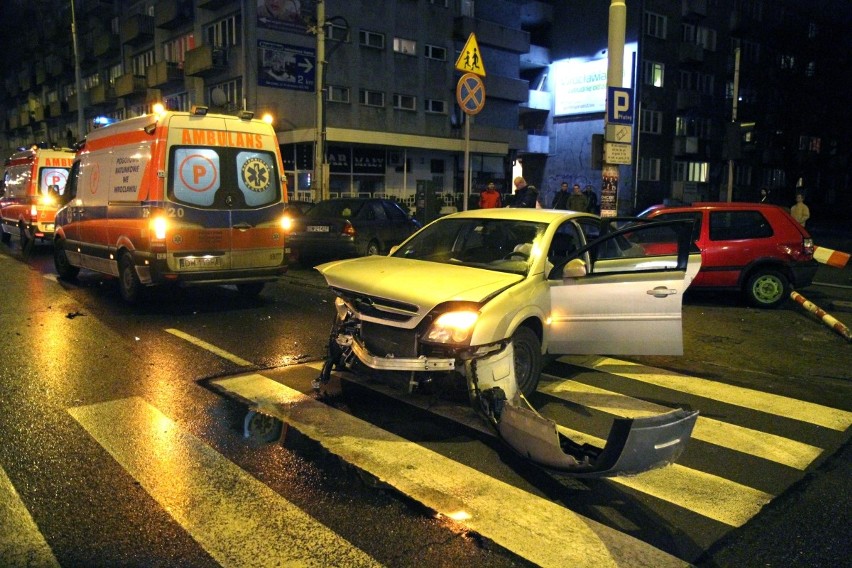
x,y
237,519
746,440
210,347
21,543
536,529
811,413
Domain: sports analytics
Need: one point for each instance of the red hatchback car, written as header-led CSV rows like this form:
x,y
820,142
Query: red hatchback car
x,y
756,248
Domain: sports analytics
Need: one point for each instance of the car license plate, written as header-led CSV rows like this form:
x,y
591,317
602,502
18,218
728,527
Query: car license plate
x,y
201,262
318,228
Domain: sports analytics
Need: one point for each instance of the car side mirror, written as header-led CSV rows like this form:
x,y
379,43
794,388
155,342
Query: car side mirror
x,y
574,268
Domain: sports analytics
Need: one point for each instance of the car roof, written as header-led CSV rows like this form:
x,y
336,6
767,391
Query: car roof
x,y
520,214
712,205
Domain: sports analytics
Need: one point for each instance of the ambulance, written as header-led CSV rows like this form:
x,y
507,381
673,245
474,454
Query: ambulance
x,y
33,184
188,198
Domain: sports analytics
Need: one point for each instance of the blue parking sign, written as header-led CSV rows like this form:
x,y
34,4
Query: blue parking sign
x,y
619,105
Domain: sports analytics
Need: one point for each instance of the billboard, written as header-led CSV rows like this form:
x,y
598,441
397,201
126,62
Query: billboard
x,y
579,83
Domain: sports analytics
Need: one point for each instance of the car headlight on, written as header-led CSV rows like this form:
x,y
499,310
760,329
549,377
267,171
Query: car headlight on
x,y
452,327
286,223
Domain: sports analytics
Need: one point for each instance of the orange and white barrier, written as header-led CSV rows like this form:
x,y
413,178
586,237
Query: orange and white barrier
x,y
826,318
831,257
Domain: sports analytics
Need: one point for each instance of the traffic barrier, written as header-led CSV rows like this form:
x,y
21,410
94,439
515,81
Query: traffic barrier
x,y
831,257
826,318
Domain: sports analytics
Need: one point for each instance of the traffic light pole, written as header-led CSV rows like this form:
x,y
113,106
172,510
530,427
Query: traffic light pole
x,y
614,74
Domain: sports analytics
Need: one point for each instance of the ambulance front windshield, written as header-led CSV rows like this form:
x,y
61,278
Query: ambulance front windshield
x,y
223,177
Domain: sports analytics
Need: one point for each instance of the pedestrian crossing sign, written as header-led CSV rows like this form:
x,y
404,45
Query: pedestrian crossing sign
x,y
470,59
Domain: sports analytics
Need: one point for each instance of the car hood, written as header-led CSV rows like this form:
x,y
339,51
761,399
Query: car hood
x,y
421,283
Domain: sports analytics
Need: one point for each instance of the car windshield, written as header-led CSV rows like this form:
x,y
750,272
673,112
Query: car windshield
x,y
494,244
336,208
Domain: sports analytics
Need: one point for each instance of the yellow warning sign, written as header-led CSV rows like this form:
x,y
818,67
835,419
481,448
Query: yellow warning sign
x,y
470,59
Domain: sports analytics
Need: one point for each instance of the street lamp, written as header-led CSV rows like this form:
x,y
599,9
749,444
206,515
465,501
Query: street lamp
x,y
77,76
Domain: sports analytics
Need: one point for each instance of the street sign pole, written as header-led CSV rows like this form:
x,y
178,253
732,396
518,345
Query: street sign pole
x,y
470,94
614,72
466,162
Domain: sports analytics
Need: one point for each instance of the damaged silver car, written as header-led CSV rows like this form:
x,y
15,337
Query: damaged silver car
x,y
487,295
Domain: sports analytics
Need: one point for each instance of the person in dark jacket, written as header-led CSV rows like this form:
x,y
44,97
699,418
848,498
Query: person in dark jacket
x,y
577,201
525,195
591,199
560,200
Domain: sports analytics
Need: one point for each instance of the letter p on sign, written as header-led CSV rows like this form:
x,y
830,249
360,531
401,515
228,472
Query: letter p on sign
x,y
619,105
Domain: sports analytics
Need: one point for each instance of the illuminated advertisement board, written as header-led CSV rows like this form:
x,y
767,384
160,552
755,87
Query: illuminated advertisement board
x,y
579,83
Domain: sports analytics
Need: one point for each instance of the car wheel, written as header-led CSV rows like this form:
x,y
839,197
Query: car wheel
x,y
527,359
767,289
250,289
373,248
128,280
64,269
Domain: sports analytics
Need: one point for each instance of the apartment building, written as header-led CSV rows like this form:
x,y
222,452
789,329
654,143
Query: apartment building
x,y
387,121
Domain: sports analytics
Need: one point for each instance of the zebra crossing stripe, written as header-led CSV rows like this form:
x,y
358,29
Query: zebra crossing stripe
x,y
210,347
811,413
745,440
237,519
21,543
531,527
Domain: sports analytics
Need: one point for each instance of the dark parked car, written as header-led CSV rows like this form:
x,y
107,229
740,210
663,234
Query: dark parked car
x,y
346,227
755,248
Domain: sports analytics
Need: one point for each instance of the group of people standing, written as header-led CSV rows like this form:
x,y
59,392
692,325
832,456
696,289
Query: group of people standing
x,y
527,196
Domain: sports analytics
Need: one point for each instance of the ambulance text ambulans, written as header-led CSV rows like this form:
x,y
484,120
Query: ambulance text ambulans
x,y
33,184
178,197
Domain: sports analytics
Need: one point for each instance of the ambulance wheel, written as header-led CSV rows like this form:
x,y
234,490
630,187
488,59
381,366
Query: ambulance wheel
x,y
527,359
250,289
128,280
64,269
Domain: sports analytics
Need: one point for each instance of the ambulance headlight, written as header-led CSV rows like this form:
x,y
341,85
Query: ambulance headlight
x,y
454,326
286,223
159,226
47,200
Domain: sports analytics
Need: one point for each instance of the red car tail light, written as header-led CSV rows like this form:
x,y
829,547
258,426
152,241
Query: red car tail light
x,y
348,230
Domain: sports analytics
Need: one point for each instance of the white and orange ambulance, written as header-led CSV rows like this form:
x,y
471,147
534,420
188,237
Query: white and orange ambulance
x,y
33,183
177,197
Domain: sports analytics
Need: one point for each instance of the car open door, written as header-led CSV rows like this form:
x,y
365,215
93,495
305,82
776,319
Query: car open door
x,y
622,293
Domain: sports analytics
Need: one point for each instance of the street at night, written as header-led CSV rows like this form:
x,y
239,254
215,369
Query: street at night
x,y
126,440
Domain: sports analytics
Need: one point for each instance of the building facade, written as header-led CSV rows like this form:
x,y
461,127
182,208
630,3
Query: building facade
x,y
387,121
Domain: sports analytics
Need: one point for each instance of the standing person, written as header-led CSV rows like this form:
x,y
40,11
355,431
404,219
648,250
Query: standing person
x,y
560,200
490,198
577,201
592,199
525,195
764,195
800,211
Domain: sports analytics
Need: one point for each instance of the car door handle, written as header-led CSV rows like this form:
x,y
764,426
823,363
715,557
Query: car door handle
x,y
661,292
242,226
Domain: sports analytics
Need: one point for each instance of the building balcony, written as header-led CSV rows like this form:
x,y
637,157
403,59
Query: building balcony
x,y
37,114
687,145
538,57
137,29
101,94
105,44
54,65
57,108
90,6
538,142
14,120
163,73
169,14
205,60
24,118
507,88
489,33
25,80
212,4
130,84
40,73
537,101
688,99
693,9
690,53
